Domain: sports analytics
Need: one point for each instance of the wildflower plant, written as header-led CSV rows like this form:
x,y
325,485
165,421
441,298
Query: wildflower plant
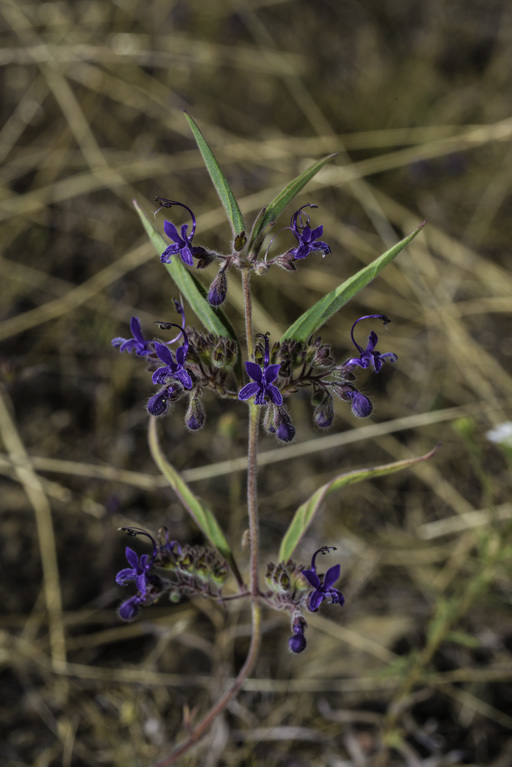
x,y
197,363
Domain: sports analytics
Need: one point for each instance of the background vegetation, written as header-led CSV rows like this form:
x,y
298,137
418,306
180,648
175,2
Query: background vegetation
x,y
415,98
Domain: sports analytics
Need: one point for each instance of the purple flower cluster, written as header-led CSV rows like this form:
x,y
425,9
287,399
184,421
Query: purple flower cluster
x,y
169,570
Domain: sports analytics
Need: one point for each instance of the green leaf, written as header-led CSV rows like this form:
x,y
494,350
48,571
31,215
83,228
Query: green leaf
x,y
189,286
201,515
305,513
319,313
219,180
269,214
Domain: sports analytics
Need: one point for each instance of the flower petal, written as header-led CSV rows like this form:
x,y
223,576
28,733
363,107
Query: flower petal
x,y
274,394
186,256
271,373
136,329
172,233
315,600
126,576
331,576
164,353
312,577
131,557
160,376
254,371
248,391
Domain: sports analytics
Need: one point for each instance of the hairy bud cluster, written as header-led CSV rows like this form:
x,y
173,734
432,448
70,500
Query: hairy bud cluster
x,y
287,587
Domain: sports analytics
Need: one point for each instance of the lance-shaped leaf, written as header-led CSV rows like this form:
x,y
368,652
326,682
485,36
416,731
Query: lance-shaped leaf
x,y
201,515
269,214
306,513
219,180
189,286
309,322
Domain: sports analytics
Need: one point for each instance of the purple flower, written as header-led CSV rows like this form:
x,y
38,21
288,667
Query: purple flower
x,y
173,368
305,236
182,243
137,344
323,588
138,571
263,378
370,355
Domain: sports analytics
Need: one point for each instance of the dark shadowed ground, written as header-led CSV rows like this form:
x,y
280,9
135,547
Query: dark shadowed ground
x,y
415,98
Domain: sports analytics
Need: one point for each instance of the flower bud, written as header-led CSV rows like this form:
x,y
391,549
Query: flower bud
x,y
261,267
195,417
158,404
361,405
240,241
323,414
218,289
285,429
130,609
204,257
220,573
297,643
285,261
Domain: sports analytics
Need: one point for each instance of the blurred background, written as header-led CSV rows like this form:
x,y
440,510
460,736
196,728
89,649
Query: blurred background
x,y
415,98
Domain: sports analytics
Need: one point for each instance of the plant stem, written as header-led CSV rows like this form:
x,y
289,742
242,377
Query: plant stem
x,y
252,513
246,287
250,662
252,447
252,497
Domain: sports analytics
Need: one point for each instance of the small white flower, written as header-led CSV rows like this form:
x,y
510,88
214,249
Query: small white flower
x,y
501,435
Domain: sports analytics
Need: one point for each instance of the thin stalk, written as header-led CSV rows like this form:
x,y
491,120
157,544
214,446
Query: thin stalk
x,y
252,497
252,512
246,287
204,724
252,448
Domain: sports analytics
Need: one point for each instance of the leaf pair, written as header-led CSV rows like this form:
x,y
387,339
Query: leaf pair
x,y
309,322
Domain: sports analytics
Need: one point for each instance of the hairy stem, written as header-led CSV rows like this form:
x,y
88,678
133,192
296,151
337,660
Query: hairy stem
x,y
204,724
252,497
246,287
252,513
252,447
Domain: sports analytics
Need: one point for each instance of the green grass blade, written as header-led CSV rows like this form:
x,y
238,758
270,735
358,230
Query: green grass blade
x,y
219,180
190,288
201,515
305,513
309,322
279,203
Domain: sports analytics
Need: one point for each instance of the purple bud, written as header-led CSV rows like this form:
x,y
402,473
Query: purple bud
x,y
204,256
130,609
218,289
285,429
323,414
361,405
195,416
297,643
159,403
